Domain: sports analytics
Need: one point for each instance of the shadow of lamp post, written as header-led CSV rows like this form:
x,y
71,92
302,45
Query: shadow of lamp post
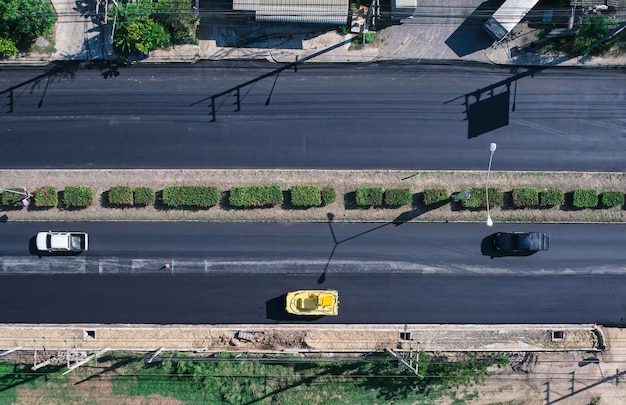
x,y
492,149
24,192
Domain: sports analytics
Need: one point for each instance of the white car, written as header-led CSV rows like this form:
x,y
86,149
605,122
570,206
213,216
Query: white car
x,y
54,241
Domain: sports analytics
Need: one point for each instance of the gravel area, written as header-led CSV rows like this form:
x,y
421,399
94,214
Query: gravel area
x,y
344,182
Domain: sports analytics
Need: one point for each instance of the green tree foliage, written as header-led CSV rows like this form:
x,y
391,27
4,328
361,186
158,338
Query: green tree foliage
x,y
21,21
592,29
191,196
46,196
585,198
256,196
329,195
397,197
144,196
369,196
78,196
136,31
525,197
612,199
14,200
7,48
436,195
551,197
176,16
306,196
120,195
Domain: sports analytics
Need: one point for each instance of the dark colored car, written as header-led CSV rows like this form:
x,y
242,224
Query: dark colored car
x,y
519,242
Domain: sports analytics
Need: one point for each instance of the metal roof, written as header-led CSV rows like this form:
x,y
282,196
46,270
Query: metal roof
x,y
298,11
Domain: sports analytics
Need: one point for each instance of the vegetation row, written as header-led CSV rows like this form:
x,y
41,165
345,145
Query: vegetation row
x,y
308,196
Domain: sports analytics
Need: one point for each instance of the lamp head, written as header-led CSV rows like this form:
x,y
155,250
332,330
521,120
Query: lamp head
x,y
492,147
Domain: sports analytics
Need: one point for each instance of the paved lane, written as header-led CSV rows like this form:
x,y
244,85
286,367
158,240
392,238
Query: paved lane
x,y
404,116
311,248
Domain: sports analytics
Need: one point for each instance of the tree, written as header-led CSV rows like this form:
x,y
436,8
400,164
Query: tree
x,y
137,31
21,21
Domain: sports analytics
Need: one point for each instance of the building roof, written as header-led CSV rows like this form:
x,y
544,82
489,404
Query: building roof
x,y
333,12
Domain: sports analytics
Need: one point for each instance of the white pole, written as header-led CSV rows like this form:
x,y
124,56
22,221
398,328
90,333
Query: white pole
x,y
492,149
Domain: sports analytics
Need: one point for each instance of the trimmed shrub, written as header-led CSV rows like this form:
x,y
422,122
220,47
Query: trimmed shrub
x,y
585,198
144,196
46,196
77,196
256,196
478,198
369,196
397,197
191,196
329,195
436,195
120,195
612,199
525,197
551,197
306,196
10,199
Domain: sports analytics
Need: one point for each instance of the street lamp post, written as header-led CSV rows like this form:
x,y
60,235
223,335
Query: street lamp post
x,y
492,149
24,192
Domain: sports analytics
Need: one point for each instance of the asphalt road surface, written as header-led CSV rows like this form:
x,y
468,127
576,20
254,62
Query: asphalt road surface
x,y
370,298
240,273
312,248
402,116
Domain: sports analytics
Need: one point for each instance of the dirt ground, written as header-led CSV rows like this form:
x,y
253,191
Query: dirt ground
x,y
344,182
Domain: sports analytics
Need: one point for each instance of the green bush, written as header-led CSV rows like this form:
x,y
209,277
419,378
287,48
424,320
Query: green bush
x,y
551,197
436,195
46,196
585,198
478,198
369,196
397,197
191,196
525,197
612,199
120,195
10,199
328,195
306,196
256,196
7,48
144,196
77,196
22,21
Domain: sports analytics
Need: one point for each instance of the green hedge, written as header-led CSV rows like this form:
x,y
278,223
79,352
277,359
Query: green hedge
x,y
398,197
144,196
478,198
121,195
191,196
256,196
369,196
77,196
46,196
612,199
329,195
585,198
13,199
551,197
436,195
306,196
525,197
